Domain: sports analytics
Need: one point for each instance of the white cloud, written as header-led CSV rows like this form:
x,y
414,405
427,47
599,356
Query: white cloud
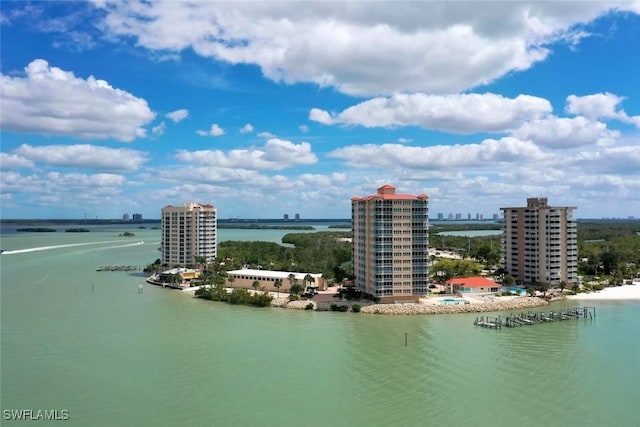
x,y
14,161
600,106
178,115
266,135
83,156
248,128
396,156
303,128
362,48
556,132
463,113
276,154
159,129
52,101
215,130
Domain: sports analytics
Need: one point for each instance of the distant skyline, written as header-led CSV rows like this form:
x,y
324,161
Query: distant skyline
x,y
267,108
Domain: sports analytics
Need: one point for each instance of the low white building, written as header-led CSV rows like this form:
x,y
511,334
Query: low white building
x,y
266,279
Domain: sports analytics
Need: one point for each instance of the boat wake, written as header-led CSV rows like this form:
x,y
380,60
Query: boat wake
x,y
47,248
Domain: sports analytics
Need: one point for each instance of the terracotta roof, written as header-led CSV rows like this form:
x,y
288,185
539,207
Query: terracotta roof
x,y
472,282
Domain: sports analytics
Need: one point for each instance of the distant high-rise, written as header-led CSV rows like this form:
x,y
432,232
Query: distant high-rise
x,y
125,217
496,217
297,217
390,245
137,217
286,217
458,216
188,231
539,243
440,216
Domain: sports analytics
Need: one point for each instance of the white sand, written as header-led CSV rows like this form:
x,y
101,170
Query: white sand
x,y
626,292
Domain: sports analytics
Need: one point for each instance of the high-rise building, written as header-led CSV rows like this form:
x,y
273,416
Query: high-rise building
x,y
390,245
297,217
539,243
137,217
125,217
286,217
440,216
188,231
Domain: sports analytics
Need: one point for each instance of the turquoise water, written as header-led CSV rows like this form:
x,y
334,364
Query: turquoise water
x,y
471,233
113,357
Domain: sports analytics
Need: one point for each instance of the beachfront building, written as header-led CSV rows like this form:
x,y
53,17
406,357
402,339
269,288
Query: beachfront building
x,y
390,245
472,285
188,231
266,280
539,243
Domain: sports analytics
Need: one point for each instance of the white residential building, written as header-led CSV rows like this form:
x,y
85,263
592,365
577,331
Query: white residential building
x,y
539,243
188,231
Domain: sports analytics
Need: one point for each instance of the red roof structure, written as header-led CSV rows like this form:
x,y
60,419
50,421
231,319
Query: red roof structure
x,y
388,192
472,282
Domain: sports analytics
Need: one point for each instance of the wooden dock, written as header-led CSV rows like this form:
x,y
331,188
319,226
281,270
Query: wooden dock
x,y
534,318
118,268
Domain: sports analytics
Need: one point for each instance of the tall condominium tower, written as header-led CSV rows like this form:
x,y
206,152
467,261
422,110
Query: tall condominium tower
x,y
188,231
539,243
390,244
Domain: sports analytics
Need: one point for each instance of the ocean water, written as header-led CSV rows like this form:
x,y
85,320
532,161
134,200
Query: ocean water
x,y
87,342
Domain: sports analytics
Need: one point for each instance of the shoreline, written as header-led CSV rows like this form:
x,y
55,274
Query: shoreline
x,y
619,293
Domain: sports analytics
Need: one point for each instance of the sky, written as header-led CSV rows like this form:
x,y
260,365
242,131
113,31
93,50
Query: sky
x,y
270,108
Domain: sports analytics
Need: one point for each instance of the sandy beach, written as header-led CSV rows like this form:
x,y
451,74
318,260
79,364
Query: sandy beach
x,y
626,292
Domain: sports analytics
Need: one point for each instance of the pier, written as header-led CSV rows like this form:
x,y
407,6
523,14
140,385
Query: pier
x,y
118,268
534,318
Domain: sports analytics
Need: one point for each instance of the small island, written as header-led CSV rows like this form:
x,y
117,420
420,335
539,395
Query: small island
x,y
77,230
37,229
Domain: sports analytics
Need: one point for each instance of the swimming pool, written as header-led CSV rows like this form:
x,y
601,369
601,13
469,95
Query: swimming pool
x,y
453,301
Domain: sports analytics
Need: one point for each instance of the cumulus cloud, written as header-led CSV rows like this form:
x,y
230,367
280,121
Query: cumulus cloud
x,y
248,128
14,161
556,132
276,154
178,115
83,156
600,106
362,48
52,101
303,128
489,151
215,130
458,113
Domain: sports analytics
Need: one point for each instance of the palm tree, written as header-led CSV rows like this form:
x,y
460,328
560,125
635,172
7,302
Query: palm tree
x,y
255,285
231,279
308,279
277,285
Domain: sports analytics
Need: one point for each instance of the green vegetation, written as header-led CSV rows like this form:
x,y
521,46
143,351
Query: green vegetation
x,y
336,307
309,306
153,267
447,269
126,234
37,229
348,226
610,249
312,252
217,292
356,308
77,230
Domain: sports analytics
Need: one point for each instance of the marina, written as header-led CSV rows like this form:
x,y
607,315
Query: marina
x,y
534,318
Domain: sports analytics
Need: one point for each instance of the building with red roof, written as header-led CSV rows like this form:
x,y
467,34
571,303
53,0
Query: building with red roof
x,y
475,284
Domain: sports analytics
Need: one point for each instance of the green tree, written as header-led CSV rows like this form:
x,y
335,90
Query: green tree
x,y
231,279
255,285
308,279
277,284
508,280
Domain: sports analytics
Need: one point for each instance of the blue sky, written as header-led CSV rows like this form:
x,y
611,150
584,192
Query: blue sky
x,y
265,108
